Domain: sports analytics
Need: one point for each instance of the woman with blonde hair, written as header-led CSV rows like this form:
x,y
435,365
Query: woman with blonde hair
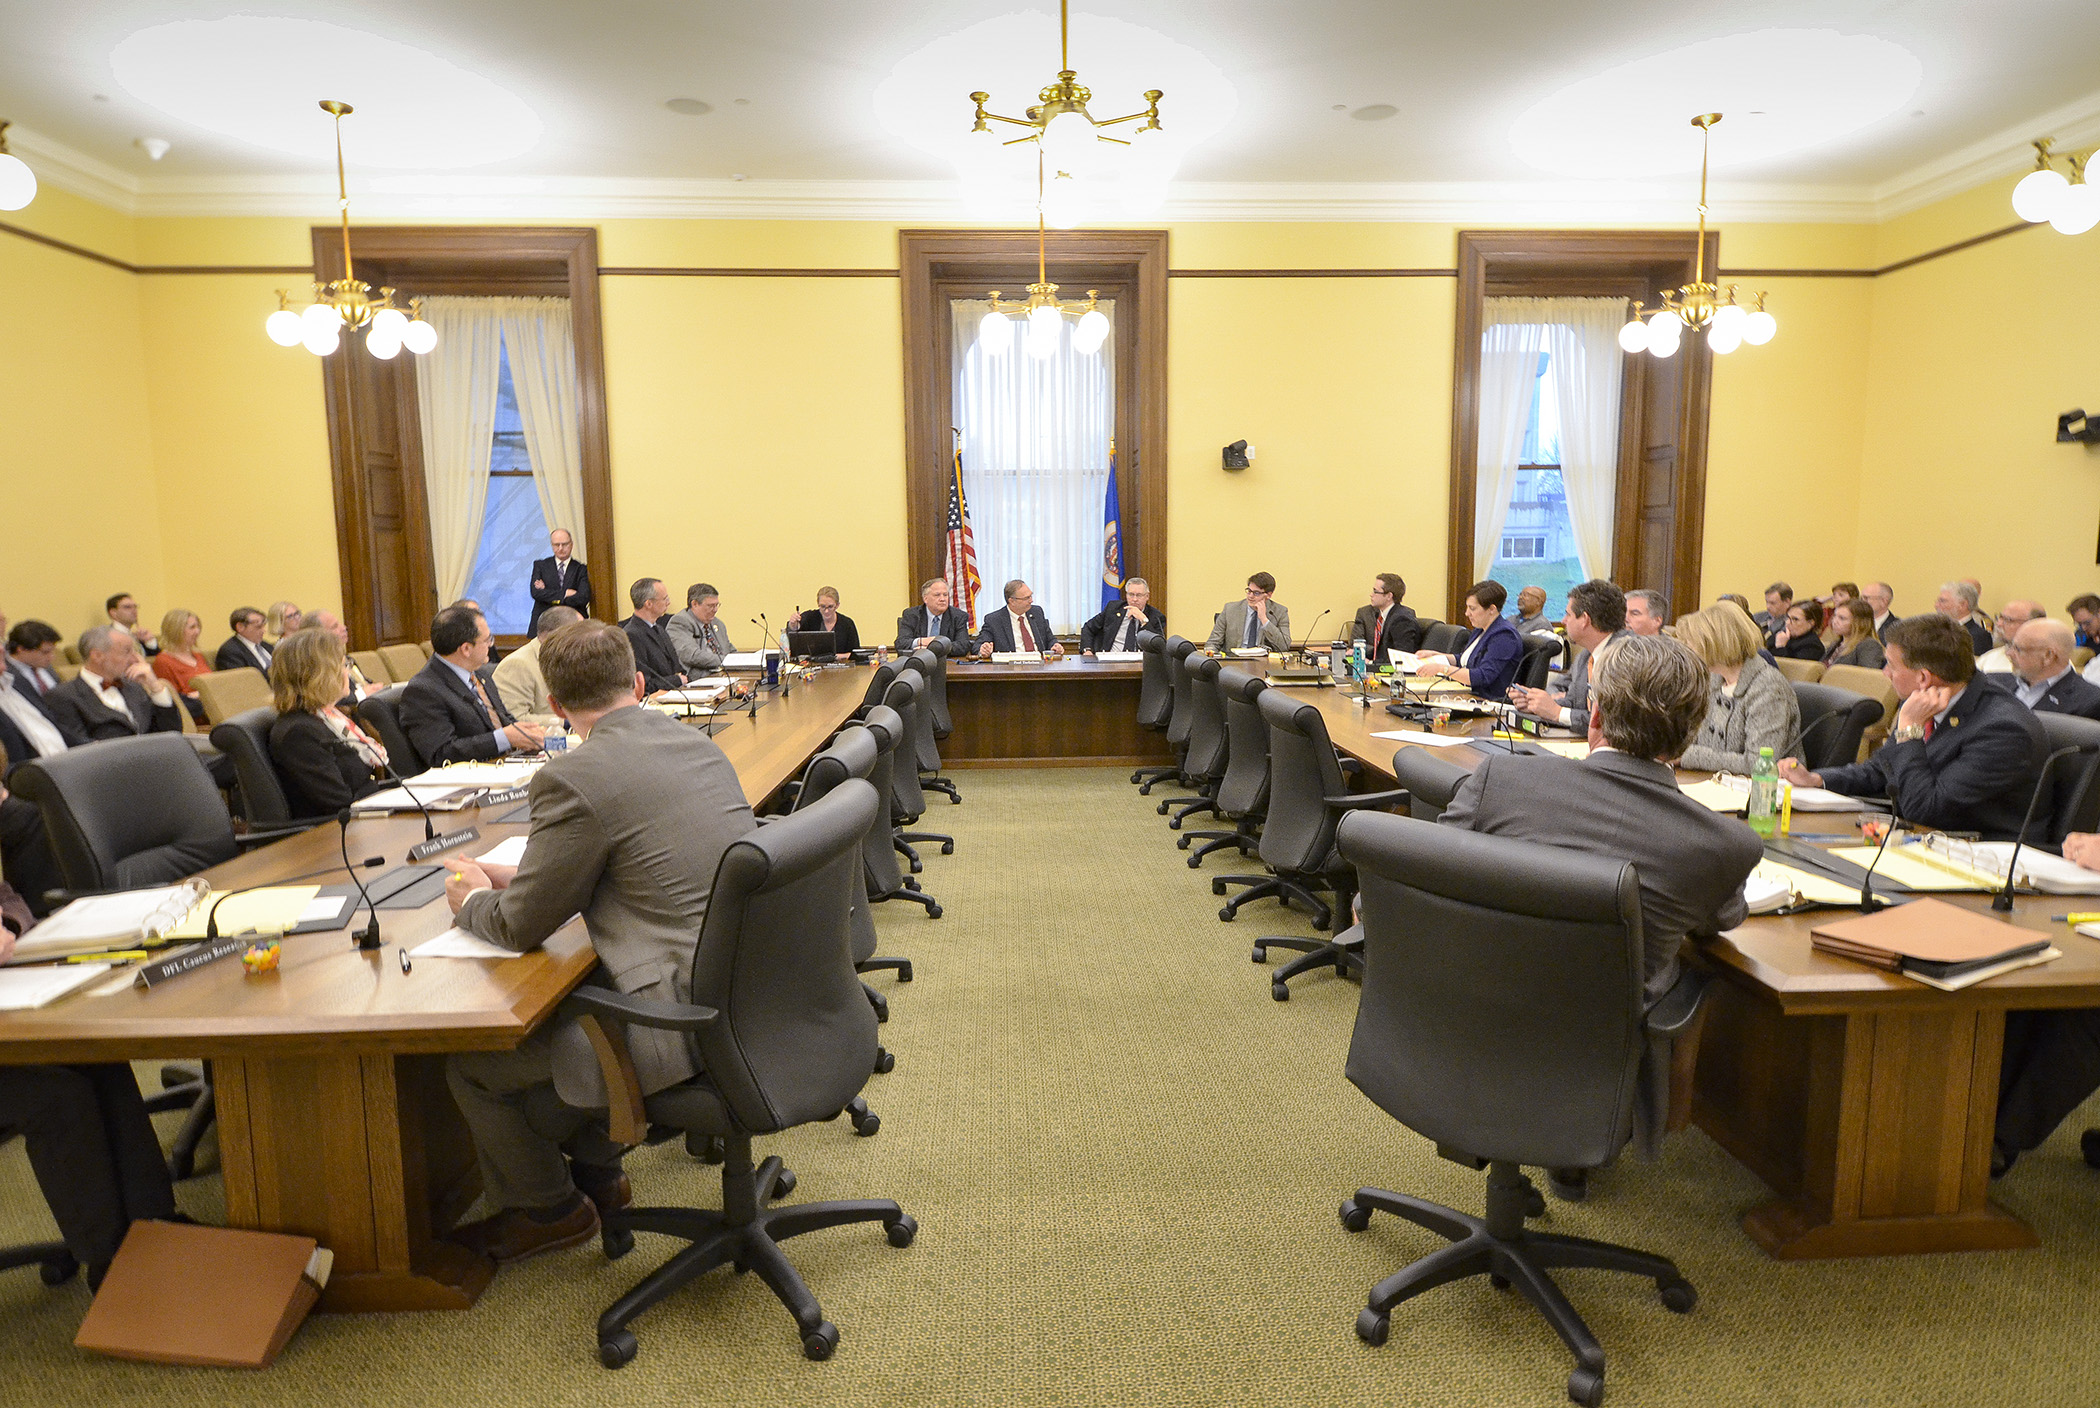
x,y
281,620
1751,705
324,759
1856,642
180,661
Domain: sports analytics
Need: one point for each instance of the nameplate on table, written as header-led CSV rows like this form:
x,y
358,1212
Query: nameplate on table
x,y
1017,657
450,840
1120,657
190,959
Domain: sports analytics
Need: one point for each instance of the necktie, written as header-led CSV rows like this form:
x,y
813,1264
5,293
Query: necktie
x,y
1027,640
488,711
1253,627
1930,724
1377,634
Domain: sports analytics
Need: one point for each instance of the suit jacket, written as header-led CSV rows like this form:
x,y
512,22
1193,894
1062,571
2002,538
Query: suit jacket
x,y
1537,625
847,634
1099,633
29,681
1493,668
1979,636
521,687
627,831
1576,699
1229,631
697,647
1692,862
655,654
1868,654
86,711
1881,632
2069,695
953,625
547,589
235,655
443,719
1975,773
999,630
1403,631
14,743
321,773
1808,647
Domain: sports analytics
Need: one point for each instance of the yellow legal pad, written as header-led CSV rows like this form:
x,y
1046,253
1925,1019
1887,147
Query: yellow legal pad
x,y
267,911
1918,869
1808,886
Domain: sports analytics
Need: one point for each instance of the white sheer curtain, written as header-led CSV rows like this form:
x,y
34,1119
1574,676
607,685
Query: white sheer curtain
x,y
456,402
1509,366
1035,438
1587,372
542,347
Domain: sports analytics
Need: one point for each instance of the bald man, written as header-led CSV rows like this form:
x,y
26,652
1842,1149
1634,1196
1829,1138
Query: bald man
x,y
2042,677
1997,660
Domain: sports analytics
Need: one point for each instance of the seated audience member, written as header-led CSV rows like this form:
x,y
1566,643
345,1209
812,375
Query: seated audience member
x,y
28,728
1647,698
1856,643
1801,636
1979,615
246,646
1115,629
2051,1060
656,648
1259,620
2084,612
1596,614
1750,705
31,647
284,618
1998,660
448,710
602,818
123,613
1531,613
1646,611
935,618
1021,627
825,617
1957,602
1487,662
115,695
2042,677
360,685
1840,593
698,639
1880,598
1385,624
520,682
324,759
180,660
1772,620
1964,754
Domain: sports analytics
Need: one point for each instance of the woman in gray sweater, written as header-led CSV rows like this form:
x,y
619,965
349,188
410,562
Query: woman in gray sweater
x,y
1752,705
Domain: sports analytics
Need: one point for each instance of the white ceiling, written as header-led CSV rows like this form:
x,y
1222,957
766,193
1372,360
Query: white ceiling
x,y
794,128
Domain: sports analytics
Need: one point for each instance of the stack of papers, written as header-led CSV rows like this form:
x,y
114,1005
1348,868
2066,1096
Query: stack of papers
x,y
512,772
1774,886
98,922
25,988
508,852
436,799
1119,656
458,943
1021,657
1934,942
1915,866
1427,740
1726,792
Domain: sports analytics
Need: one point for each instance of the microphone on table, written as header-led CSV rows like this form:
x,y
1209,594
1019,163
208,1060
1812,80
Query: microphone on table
x,y
2003,900
367,937
1868,900
1306,644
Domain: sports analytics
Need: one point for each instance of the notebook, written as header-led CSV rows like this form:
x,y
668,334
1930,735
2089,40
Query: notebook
x,y
95,923
178,1293
24,988
1928,937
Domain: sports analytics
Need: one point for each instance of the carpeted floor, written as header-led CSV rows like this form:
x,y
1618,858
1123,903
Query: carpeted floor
x,y
1125,1160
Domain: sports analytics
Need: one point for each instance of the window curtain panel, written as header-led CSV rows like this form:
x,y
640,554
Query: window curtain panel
x,y
1509,365
1035,438
456,403
538,332
1587,375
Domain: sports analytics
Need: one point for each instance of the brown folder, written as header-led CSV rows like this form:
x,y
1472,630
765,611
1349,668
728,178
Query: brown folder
x,y
1924,930
183,1294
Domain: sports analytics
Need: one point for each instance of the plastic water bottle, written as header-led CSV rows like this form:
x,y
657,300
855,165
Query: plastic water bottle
x,y
1356,661
1764,795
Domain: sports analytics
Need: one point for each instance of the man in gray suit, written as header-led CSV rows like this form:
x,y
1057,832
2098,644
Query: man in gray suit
x,y
1596,613
1257,621
1647,700
627,830
702,641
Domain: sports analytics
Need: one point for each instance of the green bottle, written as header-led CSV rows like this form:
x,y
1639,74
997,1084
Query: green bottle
x,y
1764,795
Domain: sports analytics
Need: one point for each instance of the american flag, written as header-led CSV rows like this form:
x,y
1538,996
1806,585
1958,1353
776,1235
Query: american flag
x,y
961,554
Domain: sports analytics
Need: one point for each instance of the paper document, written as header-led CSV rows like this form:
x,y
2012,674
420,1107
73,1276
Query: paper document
x,y
1806,799
1977,975
743,660
24,988
495,773
1016,657
323,908
1576,748
436,799
98,922
1248,652
1802,886
1119,656
270,911
458,943
2039,870
509,851
1427,740
1915,867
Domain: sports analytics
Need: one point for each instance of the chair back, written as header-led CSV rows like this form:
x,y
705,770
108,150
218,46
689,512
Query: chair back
x,y
1833,720
1244,789
128,812
879,681
381,713
1444,638
1502,1003
795,1040
907,695
1800,671
936,672
1874,685
1205,759
402,662
66,661
930,670
851,754
2075,785
1430,779
1156,689
245,738
1298,835
1178,649
225,693
879,853
1539,654
373,664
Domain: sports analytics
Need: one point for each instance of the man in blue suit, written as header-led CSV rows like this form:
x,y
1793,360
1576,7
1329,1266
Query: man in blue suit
x,y
1020,627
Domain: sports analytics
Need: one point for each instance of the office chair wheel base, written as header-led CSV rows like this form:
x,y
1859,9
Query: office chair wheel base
x,y
933,911
884,1062
617,1242
1195,862
1534,1203
1677,1296
867,1123
904,971
1355,1216
1371,1326
1586,1386
1280,991
785,1183
58,1270
902,1231
1217,887
911,884
617,1350
947,848
1226,914
820,1342
2089,1145
1261,953
1499,1282
1165,806
1183,843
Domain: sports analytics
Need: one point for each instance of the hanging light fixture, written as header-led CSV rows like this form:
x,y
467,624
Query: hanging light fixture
x,y
1699,306
17,181
347,302
2069,205
1042,310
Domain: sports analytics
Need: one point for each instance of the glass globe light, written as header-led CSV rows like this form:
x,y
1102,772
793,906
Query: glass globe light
x,y
1068,141
1044,322
1730,316
284,327
1665,330
321,338
1042,348
1759,327
1092,331
1063,205
17,182
392,320
1721,339
382,346
2077,210
320,315
995,333
419,337
1634,336
2035,198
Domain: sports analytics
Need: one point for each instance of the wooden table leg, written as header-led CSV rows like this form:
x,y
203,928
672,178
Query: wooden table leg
x,y
1873,1128
366,1154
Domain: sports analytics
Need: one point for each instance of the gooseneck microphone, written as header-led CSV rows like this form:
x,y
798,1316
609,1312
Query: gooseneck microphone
x,y
1868,900
367,937
434,842
2002,902
1306,644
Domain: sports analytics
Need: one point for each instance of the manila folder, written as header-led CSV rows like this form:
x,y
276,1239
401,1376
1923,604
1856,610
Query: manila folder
x,y
183,1294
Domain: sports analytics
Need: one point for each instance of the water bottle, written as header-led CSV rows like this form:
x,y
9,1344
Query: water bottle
x,y
1764,795
1334,660
1356,661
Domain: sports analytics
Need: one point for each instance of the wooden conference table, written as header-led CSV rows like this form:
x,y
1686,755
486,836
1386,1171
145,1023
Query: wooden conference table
x,y
1864,1100
334,1120
1072,712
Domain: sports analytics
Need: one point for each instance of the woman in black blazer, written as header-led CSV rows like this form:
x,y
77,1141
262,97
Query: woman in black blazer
x,y
827,618
1801,637
324,759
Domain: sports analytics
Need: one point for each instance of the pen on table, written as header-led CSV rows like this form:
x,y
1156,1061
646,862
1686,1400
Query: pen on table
x,y
405,964
2083,917
132,955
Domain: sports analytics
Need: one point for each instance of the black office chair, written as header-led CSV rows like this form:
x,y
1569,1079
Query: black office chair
x,y
1429,780
1204,763
1155,702
1443,638
1175,652
884,880
853,753
381,713
782,1037
1501,1017
1243,789
933,674
1537,665
906,695
937,687
245,738
2075,785
1833,721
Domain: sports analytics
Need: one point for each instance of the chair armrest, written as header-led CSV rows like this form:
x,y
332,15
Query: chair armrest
x,y
1674,1010
626,1009
1359,801
276,833
1351,767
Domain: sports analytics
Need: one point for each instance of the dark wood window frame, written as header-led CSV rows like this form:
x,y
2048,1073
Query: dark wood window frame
x,y
466,260
938,266
1659,532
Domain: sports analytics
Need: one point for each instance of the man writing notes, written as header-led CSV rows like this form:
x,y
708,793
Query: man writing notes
x,y
1596,613
1385,624
934,619
627,832
1020,628
559,580
1116,629
1260,621
1965,754
655,647
448,710
698,638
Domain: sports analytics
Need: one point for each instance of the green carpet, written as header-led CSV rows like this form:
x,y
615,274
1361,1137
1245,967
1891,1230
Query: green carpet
x,y
1125,1160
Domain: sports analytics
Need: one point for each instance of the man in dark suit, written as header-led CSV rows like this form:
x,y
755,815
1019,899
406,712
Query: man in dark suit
x,y
245,648
1385,624
936,618
1596,613
115,695
1957,602
30,648
27,727
1772,620
2051,1060
1116,629
450,711
2042,676
1020,627
559,580
1964,754
1880,597
654,655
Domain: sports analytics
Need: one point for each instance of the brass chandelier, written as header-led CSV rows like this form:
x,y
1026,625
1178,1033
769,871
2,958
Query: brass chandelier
x,y
1699,306
2069,204
1043,310
347,302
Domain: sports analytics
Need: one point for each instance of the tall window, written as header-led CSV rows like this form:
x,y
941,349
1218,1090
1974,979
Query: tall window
x,y
513,527
1538,542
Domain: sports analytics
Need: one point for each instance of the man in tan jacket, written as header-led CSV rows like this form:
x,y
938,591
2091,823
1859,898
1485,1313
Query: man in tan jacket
x,y
521,684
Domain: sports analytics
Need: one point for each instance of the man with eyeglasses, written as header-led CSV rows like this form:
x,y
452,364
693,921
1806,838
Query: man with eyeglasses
x,y
449,710
1020,629
1259,622
2042,677
1998,659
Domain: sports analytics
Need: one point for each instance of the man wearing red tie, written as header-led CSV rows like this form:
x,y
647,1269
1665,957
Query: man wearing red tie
x,y
115,695
1020,628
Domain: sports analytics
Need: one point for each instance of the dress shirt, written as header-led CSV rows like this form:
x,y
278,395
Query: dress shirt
x,y
43,681
2032,694
1024,639
43,735
261,651
473,684
1125,633
158,691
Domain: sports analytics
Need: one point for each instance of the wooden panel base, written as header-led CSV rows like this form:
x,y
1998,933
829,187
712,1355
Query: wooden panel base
x,y
1783,1230
1072,715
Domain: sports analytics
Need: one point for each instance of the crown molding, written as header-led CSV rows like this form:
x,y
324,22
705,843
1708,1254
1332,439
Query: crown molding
x,y
2074,125
59,165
